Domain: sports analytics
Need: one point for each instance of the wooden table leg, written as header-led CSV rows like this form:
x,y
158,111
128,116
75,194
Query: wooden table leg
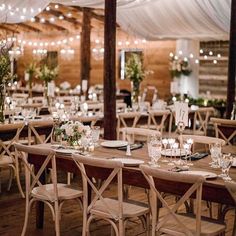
x,y
40,205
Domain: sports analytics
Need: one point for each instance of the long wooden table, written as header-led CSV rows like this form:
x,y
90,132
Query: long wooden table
x,y
213,190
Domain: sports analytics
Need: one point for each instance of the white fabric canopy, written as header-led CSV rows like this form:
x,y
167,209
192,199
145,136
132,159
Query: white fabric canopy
x,y
150,19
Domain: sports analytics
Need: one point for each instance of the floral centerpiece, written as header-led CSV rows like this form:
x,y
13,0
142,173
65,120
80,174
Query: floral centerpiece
x,y
47,75
135,73
179,66
31,71
72,132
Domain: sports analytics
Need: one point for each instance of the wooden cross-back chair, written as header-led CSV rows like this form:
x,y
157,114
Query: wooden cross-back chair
x,y
54,194
10,133
95,107
156,119
225,129
109,209
131,134
201,119
121,106
33,133
204,140
127,119
231,186
178,224
86,120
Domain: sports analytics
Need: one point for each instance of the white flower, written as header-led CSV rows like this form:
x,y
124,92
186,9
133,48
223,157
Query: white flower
x,y
69,131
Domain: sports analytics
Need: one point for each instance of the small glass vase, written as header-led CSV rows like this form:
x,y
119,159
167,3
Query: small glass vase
x,y
46,93
2,102
135,91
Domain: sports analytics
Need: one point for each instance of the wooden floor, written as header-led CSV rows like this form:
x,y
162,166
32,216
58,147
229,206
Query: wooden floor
x,y
12,215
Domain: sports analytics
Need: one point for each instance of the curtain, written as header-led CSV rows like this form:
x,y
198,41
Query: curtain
x,y
149,19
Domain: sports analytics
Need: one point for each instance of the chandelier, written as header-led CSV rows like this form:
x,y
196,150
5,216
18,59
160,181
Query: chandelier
x,y
15,52
67,53
98,53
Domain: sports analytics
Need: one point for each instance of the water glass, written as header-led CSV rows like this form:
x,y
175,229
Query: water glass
x,y
225,161
215,150
95,134
154,151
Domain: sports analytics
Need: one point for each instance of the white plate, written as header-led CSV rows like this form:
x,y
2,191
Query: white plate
x,y
114,143
206,174
66,151
129,161
174,153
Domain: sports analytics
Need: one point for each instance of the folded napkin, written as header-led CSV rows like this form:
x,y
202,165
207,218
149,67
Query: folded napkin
x,y
132,146
197,156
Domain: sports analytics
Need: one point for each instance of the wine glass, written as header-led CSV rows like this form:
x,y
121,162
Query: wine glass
x,y
190,143
215,150
186,150
175,147
165,143
226,161
171,141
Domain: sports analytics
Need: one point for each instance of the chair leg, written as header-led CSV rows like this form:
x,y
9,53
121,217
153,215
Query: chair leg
x,y
68,178
27,210
57,218
11,170
148,224
0,180
17,174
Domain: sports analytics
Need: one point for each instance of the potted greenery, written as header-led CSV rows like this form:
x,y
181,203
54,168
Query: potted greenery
x,y
47,75
135,73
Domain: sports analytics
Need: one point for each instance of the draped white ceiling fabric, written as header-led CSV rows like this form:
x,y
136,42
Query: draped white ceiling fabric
x,y
149,19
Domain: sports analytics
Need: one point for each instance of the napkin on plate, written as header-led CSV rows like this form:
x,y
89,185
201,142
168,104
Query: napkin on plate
x,y
197,156
132,147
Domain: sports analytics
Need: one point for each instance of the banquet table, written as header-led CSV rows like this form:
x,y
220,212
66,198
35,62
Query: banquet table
x,y
214,190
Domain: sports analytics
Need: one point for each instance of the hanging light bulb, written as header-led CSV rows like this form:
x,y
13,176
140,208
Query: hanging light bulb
x,y
201,51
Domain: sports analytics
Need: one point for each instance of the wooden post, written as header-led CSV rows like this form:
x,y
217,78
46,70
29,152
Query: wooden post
x,y
232,62
110,70
85,46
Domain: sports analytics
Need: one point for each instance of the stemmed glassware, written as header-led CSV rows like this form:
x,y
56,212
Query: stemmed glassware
x,y
175,147
186,150
171,141
215,150
165,143
190,143
95,134
225,161
154,150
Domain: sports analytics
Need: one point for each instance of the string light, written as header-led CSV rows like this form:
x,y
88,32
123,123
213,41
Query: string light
x,y
201,51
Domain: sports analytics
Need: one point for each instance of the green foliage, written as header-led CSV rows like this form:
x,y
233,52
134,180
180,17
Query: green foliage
x,y
31,69
46,74
5,64
134,70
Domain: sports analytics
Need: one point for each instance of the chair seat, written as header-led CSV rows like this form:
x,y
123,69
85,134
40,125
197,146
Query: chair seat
x,y
129,209
208,227
5,160
46,192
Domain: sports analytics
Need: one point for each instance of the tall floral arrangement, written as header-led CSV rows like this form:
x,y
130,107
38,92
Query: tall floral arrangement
x,y
31,70
135,73
179,66
47,75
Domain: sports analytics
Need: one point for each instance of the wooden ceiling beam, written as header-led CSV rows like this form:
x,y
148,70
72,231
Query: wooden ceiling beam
x,y
44,27
60,24
11,28
29,28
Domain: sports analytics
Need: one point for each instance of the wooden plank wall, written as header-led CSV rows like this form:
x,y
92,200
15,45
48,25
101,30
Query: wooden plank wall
x,y
156,58
213,77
